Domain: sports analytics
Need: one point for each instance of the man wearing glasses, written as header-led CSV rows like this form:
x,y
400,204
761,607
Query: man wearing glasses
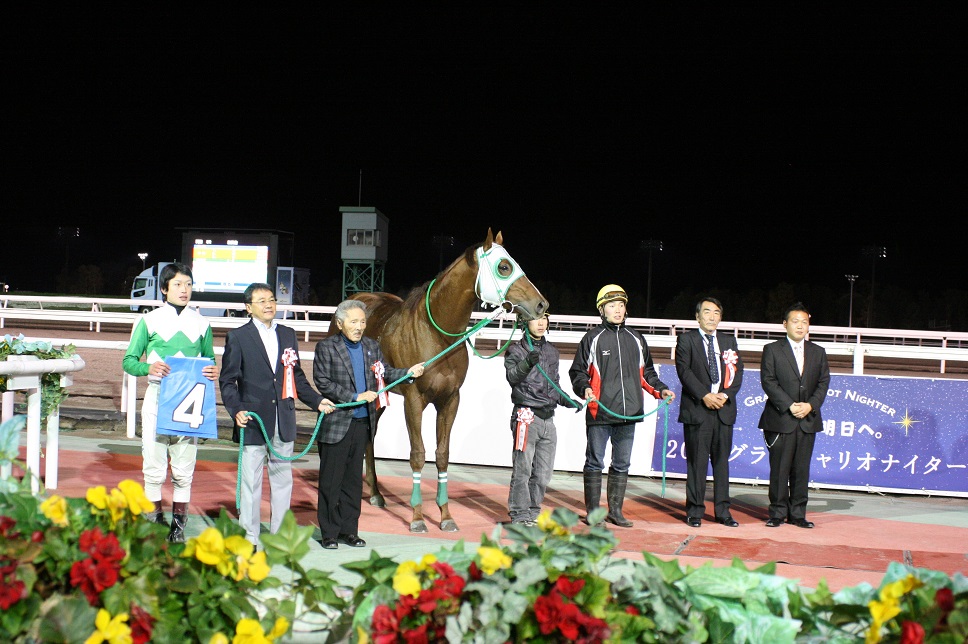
x,y
262,375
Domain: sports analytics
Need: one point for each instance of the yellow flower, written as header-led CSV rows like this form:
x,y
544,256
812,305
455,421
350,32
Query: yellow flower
x,y
249,631
406,582
493,559
426,562
546,523
258,569
55,509
111,630
117,505
135,496
98,497
899,588
236,561
208,547
280,628
889,605
219,638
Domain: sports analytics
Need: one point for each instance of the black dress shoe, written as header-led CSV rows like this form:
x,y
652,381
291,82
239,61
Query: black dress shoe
x,y
351,540
802,523
329,544
729,522
694,522
774,523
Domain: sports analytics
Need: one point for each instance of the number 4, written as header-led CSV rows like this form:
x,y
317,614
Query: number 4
x,y
189,410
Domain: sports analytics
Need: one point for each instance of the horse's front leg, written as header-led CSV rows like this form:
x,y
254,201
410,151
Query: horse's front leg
x,y
445,423
413,411
376,499
369,475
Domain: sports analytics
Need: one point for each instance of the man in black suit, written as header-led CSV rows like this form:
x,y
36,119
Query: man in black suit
x,y
261,374
348,367
795,376
711,372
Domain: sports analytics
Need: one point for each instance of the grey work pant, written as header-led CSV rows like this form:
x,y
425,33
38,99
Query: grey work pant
x,y
531,469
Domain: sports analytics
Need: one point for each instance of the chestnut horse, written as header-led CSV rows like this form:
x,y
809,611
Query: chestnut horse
x,y
408,335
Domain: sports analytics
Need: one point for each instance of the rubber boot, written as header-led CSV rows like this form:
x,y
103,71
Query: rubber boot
x,y
158,516
616,497
179,517
593,492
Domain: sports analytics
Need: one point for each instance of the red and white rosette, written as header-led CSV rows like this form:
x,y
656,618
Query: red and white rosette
x,y
729,359
383,400
289,359
525,418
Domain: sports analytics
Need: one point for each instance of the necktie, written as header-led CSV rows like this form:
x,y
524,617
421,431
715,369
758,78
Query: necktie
x,y
798,354
711,358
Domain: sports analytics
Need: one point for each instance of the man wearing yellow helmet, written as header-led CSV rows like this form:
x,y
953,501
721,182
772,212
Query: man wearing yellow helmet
x,y
611,368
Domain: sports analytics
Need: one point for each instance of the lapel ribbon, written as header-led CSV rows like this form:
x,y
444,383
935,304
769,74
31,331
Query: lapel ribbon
x,y
384,398
525,417
289,359
729,358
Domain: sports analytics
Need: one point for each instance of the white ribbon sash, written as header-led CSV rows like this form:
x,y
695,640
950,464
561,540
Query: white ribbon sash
x,y
383,400
289,359
525,418
729,358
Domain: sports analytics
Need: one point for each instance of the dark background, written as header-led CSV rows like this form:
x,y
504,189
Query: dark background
x,y
766,149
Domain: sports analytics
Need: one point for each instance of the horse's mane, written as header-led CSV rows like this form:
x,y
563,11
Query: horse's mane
x,y
414,302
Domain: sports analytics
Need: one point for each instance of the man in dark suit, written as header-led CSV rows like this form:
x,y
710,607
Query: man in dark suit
x,y
711,372
795,376
261,374
348,367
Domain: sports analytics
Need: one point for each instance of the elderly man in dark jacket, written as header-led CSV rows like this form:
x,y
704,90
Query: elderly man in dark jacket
x,y
532,371
348,367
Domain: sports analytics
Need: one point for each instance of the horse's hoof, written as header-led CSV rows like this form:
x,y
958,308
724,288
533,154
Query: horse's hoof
x,y
377,501
418,526
449,525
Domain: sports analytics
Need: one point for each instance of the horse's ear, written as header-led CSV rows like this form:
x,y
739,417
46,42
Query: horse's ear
x,y
488,240
499,240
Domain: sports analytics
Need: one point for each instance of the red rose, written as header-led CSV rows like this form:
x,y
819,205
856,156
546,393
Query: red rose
x,y
547,610
108,549
6,523
7,566
88,540
632,610
570,621
142,623
37,536
569,588
945,599
81,577
474,572
416,635
11,592
912,633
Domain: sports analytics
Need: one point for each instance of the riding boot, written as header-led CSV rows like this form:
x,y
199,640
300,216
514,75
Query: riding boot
x,y
616,497
158,516
593,492
179,517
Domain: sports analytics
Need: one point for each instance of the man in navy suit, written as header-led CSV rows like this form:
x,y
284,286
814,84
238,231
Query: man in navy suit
x,y
348,367
711,372
261,374
795,376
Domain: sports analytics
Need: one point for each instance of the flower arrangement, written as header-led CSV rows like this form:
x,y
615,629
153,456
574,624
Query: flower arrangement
x,y
96,570
553,584
51,392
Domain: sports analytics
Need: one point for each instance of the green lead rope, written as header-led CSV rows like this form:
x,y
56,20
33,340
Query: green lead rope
x,y
238,478
665,403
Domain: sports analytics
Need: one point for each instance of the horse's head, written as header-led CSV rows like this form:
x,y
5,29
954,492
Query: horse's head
x,y
501,282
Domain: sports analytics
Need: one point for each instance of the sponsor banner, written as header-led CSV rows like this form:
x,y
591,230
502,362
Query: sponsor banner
x,y
879,431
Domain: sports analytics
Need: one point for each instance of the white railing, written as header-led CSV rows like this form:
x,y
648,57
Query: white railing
x,y
896,344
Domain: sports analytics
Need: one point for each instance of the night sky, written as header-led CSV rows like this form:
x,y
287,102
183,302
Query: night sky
x,y
760,148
